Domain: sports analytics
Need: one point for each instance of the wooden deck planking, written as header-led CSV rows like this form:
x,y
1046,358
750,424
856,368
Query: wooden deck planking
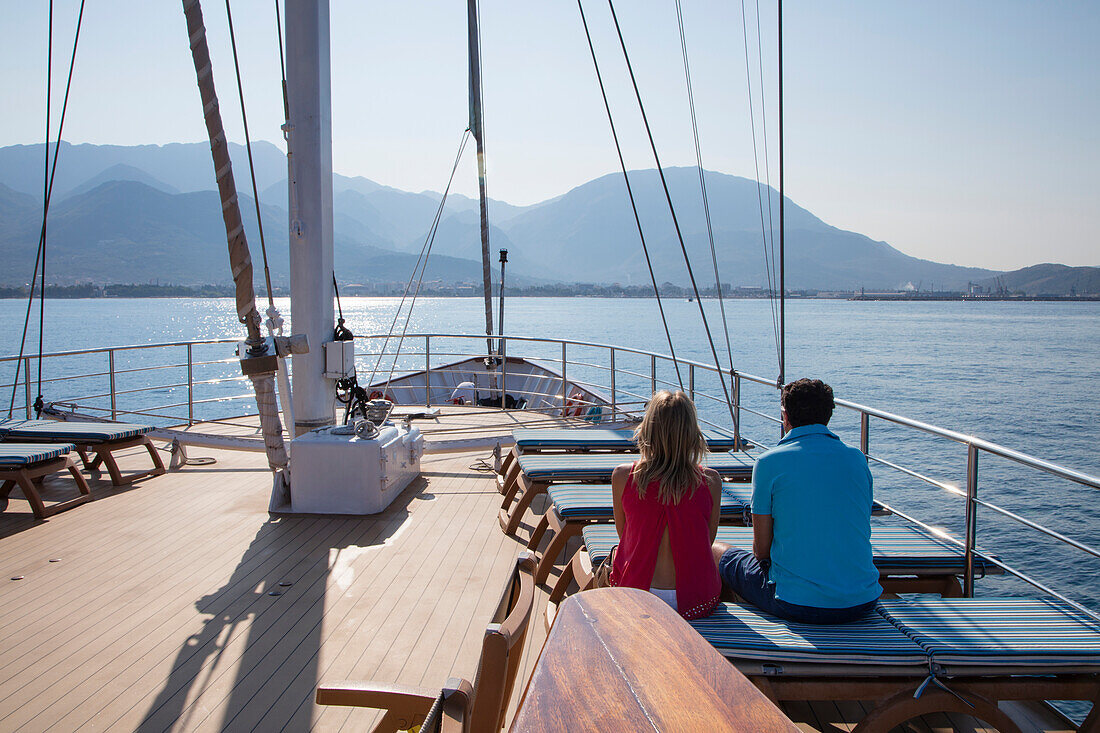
x,y
168,535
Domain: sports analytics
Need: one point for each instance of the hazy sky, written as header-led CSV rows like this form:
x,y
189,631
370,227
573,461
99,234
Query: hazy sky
x,y
963,132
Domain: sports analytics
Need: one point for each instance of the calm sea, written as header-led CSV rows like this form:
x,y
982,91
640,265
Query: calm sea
x,y
1021,374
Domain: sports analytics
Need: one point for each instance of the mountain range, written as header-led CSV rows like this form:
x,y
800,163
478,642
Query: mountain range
x,y
139,213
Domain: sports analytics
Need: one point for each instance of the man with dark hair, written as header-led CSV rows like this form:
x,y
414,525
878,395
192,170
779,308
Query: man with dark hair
x,y
811,516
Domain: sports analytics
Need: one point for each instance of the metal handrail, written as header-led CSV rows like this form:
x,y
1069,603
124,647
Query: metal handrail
x,y
621,397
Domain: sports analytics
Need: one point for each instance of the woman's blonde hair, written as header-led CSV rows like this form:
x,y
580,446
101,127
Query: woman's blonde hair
x,y
671,446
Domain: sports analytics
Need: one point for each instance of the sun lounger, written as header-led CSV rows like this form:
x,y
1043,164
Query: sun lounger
x,y
561,440
909,560
575,506
463,706
26,464
920,656
535,472
101,438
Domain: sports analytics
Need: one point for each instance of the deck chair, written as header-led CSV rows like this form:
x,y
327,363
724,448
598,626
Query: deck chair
x,y
576,506
562,440
920,656
101,438
465,706
26,464
533,473
909,560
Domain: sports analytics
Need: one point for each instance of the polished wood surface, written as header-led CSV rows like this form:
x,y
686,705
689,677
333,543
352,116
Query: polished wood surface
x,y
621,659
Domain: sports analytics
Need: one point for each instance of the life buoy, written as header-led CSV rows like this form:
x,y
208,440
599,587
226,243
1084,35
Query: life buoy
x,y
574,404
375,395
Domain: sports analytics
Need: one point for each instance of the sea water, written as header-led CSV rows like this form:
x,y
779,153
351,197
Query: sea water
x,y
1024,375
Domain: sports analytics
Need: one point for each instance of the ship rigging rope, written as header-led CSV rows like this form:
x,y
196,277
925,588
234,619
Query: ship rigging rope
x,y
248,149
422,266
49,170
703,182
767,234
630,194
672,211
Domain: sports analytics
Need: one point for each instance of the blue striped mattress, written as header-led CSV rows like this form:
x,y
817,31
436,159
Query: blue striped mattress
x,y
743,632
896,550
74,432
598,466
998,631
603,439
21,455
593,501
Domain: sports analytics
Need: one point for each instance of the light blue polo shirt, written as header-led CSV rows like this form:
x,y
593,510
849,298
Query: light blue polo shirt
x,y
819,492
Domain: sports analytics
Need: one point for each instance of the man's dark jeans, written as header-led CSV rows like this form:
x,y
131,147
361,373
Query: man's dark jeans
x,y
742,572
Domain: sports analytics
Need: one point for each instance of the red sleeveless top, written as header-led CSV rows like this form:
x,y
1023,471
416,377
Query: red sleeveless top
x,y
688,523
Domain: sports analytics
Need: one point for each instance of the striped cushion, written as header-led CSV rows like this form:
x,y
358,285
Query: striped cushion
x,y
21,455
896,550
1006,632
598,466
623,440
743,632
593,501
75,432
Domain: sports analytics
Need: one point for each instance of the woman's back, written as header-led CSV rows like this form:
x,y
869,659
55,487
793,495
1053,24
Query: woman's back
x,y
665,544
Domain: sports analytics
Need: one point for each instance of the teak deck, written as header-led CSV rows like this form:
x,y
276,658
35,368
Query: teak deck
x,y
151,607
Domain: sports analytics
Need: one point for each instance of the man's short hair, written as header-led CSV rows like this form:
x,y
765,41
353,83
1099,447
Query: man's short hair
x,y
807,402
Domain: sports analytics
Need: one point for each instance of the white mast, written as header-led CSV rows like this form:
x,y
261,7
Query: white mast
x,y
309,139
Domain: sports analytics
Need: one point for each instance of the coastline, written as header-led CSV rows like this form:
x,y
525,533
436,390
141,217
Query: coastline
x,y
575,290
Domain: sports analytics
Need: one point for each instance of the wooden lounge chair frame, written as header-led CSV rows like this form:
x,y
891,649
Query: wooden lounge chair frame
x,y
104,454
974,692
465,706
29,479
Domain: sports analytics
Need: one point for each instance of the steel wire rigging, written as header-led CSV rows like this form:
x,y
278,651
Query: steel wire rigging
x,y
421,265
703,181
49,171
672,212
630,194
765,230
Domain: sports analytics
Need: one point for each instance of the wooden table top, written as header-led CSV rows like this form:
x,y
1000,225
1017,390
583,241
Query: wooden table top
x,y
621,659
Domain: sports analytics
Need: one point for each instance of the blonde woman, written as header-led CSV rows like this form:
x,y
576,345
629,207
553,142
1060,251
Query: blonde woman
x,y
666,510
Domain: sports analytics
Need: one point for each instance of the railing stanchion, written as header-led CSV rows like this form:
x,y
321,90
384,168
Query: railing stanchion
x,y
971,518
864,432
652,374
111,370
691,381
737,410
190,387
614,398
564,390
427,371
27,383
503,370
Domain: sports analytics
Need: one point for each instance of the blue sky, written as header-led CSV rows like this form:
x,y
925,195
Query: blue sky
x,y
959,132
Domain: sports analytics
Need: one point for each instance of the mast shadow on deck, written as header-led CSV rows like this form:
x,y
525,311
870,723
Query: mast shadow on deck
x,y
255,660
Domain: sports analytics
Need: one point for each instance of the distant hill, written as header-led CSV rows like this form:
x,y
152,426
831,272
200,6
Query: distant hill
x,y
120,172
126,231
1048,279
181,166
125,213
590,234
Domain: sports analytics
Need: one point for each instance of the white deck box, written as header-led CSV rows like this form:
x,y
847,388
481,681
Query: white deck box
x,y
345,474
